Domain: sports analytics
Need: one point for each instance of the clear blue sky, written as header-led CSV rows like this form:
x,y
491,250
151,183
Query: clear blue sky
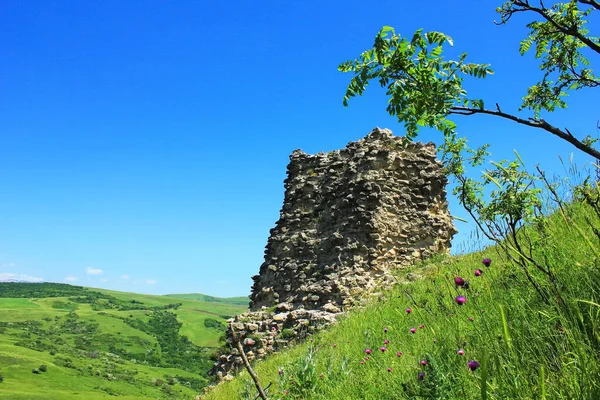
x,y
143,144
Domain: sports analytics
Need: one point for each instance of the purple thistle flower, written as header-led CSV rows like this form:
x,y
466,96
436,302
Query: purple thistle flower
x,y
471,319
368,351
460,300
383,349
413,330
408,310
362,363
478,272
421,326
487,262
386,341
389,369
459,281
423,362
399,354
461,352
473,365
385,330
421,376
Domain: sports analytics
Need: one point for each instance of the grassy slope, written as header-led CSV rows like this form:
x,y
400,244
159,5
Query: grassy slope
x,y
527,348
240,301
16,362
192,314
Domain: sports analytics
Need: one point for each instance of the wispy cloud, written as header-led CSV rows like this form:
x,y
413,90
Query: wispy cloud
x,y
71,278
125,277
93,271
8,265
5,276
151,281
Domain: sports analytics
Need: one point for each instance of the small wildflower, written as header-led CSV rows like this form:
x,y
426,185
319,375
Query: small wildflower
x,y
321,376
423,362
385,330
482,311
434,340
421,376
389,369
362,363
366,358
478,272
461,352
280,371
399,354
408,310
459,281
473,365
368,351
460,300
421,326
287,392
413,330
487,262
386,341
334,345
471,319
467,284
383,349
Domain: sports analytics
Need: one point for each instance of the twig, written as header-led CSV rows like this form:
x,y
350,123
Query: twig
x,y
268,386
238,344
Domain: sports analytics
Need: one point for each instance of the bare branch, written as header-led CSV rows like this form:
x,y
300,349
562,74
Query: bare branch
x,y
535,123
238,344
592,3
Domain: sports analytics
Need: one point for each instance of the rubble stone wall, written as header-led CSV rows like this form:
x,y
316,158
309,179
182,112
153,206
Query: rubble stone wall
x,y
349,217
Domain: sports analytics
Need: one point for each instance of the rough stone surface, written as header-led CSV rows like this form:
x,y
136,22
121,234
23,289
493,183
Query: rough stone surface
x,y
349,217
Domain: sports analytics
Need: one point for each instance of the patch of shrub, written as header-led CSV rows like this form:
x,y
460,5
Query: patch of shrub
x,y
211,323
35,371
43,368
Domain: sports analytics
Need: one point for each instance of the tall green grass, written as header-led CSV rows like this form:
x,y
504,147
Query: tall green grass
x,y
527,348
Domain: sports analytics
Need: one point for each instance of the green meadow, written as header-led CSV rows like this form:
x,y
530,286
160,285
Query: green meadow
x,y
418,341
68,342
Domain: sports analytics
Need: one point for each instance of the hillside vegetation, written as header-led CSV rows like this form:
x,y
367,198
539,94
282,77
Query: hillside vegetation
x,y
494,337
60,341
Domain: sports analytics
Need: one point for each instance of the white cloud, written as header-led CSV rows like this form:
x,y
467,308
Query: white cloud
x,y
151,281
71,278
93,271
19,277
125,277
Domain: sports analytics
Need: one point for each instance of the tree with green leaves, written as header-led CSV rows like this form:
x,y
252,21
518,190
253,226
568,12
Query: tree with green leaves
x,y
425,89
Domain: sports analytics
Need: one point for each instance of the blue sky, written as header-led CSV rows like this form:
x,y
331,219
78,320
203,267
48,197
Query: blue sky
x,y
143,145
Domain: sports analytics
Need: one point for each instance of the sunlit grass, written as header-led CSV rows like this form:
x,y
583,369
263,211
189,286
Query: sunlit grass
x,y
526,348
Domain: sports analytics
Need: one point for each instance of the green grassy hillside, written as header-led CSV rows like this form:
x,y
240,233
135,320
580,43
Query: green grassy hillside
x,y
417,341
240,301
98,344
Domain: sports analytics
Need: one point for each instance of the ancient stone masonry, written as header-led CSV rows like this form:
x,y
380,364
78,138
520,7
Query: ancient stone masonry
x,y
348,218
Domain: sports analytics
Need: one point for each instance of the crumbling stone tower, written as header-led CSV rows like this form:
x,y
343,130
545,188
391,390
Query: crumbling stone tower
x,y
348,218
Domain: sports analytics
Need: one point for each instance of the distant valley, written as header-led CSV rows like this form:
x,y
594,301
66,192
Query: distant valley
x,y
62,341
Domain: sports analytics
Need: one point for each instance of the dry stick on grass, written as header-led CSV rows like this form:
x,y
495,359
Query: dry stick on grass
x,y
238,344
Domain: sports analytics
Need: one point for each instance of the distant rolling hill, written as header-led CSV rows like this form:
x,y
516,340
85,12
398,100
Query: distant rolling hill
x,y
97,343
239,301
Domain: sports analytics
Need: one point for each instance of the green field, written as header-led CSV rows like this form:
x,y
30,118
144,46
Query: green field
x,y
98,344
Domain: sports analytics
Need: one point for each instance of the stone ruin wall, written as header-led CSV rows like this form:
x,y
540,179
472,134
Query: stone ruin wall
x,y
348,218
